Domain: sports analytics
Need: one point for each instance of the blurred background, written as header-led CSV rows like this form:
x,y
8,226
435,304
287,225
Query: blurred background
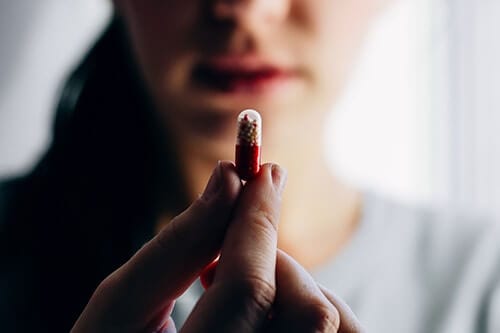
x,y
417,122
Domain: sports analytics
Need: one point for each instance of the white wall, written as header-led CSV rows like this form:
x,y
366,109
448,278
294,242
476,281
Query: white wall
x,y
467,118
380,133
39,41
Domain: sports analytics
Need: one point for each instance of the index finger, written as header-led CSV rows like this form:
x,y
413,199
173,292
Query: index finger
x,y
140,290
244,285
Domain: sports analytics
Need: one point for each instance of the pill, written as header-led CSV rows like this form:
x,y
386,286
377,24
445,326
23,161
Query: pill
x,y
248,144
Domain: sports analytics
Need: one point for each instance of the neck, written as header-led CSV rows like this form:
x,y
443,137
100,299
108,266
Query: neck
x,y
319,215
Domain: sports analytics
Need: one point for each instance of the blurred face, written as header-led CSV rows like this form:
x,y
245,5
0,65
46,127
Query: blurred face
x,y
205,60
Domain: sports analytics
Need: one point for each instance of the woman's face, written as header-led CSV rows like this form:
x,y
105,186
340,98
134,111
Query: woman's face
x,y
205,60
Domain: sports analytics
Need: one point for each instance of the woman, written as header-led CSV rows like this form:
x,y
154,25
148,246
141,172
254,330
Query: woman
x,y
141,125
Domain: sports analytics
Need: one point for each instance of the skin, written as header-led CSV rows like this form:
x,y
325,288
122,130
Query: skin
x,y
317,41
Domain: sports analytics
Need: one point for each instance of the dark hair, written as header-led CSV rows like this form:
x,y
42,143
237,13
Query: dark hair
x,y
106,133
93,198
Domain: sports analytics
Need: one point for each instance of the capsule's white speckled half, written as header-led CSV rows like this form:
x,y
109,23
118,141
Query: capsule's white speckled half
x,y
249,128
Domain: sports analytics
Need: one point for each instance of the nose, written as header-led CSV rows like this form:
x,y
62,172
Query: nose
x,y
251,11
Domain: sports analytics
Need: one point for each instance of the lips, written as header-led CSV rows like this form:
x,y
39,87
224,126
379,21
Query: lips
x,y
238,75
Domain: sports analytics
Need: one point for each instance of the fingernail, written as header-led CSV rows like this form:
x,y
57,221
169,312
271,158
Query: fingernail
x,y
214,183
279,176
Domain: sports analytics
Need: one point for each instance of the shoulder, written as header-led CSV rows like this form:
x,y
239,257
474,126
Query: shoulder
x,y
435,269
432,223
442,241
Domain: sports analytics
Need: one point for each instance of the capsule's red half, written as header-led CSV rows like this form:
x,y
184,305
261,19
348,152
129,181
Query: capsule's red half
x,y
248,144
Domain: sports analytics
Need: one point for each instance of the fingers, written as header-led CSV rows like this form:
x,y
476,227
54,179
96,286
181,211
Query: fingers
x,y
300,306
251,241
170,262
348,321
304,306
243,288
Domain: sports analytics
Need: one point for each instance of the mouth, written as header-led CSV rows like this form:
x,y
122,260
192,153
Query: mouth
x,y
240,75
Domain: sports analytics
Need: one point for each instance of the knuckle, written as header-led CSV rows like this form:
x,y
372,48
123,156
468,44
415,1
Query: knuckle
x,y
201,203
187,231
264,218
322,318
173,232
111,288
177,232
256,296
106,288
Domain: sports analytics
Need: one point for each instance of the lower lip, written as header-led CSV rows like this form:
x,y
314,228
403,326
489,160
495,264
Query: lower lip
x,y
256,83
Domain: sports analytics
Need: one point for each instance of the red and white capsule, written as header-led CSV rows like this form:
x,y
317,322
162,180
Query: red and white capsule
x,y
248,144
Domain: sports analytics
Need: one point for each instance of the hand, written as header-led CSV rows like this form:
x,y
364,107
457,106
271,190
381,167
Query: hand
x,y
254,289
300,304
